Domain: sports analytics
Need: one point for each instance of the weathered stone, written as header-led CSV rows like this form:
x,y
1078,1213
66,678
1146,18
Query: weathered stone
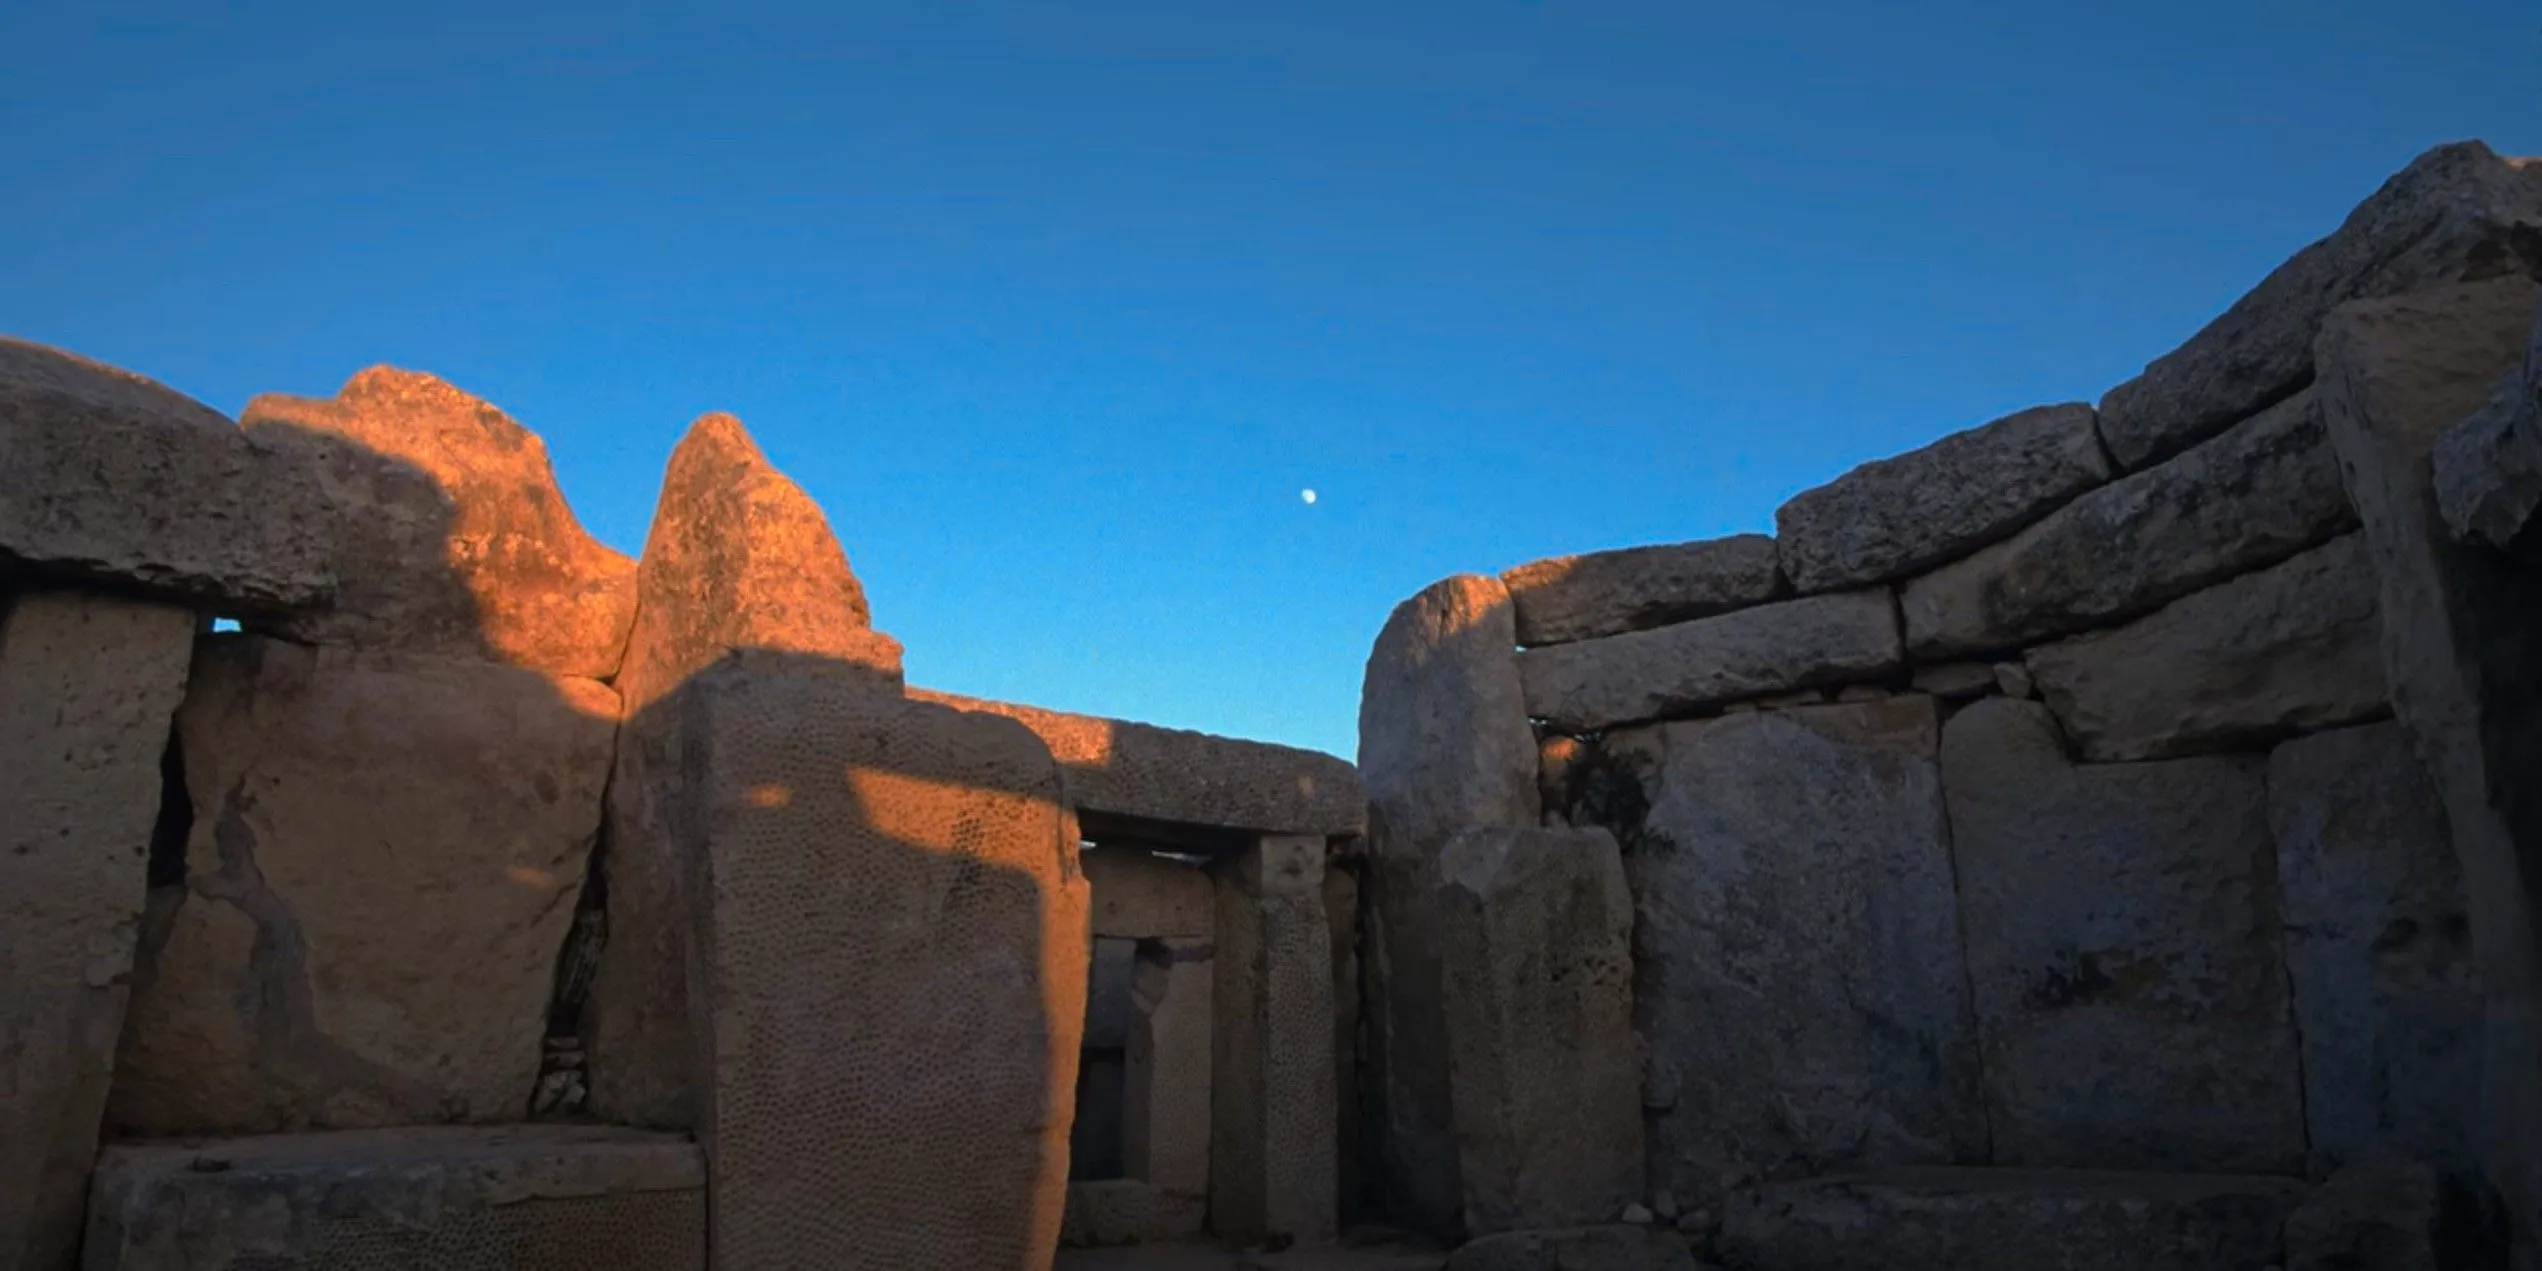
x,y
451,536
1139,894
2456,213
1956,681
2488,468
890,933
2382,1215
1125,1211
2287,649
1537,930
2012,679
1109,976
107,477
1797,947
2378,948
1600,1248
1350,1167
1582,597
1558,764
558,1198
1892,517
2266,489
1166,1083
385,856
1272,1117
2125,952
2460,626
2010,1220
87,687
1792,644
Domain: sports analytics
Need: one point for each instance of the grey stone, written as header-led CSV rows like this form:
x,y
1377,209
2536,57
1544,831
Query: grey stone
x,y
1813,641
1109,1008
2013,679
1571,598
2378,947
1599,1248
1956,681
2457,213
1103,1213
2460,627
1165,1082
1797,944
2488,468
2380,1215
1272,1115
1536,929
1139,894
2124,949
1892,517
2010,1220
2283,650
2264,490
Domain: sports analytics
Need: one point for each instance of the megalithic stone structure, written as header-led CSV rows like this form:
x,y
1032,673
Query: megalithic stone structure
x,y
1272,1119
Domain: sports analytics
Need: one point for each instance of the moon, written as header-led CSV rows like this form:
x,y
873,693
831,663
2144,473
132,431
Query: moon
x,y
1306,495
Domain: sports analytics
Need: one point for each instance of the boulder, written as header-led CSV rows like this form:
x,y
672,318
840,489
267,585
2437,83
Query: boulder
x,y
2488,468
385,855
1537,932
1273,1116
87,687
1611,1247
1568,598
2125,952
2283,650
1797,948
108,478
2260,493
2457,213
452,537
1816,640
1892,517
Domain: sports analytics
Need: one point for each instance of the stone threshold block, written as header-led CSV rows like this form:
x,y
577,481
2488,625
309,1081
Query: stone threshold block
x,y
557,1198
1612,1247
1105,1213
1569,598
1693,666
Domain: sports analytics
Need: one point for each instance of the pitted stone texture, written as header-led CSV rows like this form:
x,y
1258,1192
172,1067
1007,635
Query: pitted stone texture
x,y
2124,948
87,687
1272,1116
111,478
2287,649
890,941
2261,492
1892,517
1139,894
1570,598
1103,1213
451,536
2459,629
2010,1220
1810,642
1537,931
1613,1247
520,1198
386,853
2457,213
1798,945
1166,1083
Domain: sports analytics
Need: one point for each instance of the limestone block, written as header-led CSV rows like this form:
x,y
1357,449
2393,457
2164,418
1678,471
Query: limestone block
x,y
1570,598
2264,490
2488,468
111,478
1801,989
2010,1220
2457,213
2124,947
451,536
385,857
1272,1117
1675,670
1611,1247
890,942
1109,975
1537,929
2378,947
87,687
2388,1215
2286,649
2459,629
556,1198
1352,1178
1139,894
1894,516
1166,1086
1103,1213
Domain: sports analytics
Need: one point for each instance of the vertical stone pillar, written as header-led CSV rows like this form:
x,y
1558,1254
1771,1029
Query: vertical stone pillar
x,y
1271,1164
88,686
1165,1103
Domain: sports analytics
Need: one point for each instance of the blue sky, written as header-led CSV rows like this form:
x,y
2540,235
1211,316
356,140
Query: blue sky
x,y
1057,308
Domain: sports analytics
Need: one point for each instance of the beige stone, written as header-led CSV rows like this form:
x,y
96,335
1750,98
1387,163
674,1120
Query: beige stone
x,y
1582,597
1109,1212
451,535
1166,1082
385,857
1679,670
1139,894
88,685
1272,1115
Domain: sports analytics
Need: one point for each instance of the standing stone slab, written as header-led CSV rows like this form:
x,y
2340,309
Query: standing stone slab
x,y
1895,516
1568,598
2261,492
2456,213
1166,1084
2124,947
1803,643
889,977
2460,627
2286,649
2378,1215
1272,1120
385,857
87,687
1798,946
